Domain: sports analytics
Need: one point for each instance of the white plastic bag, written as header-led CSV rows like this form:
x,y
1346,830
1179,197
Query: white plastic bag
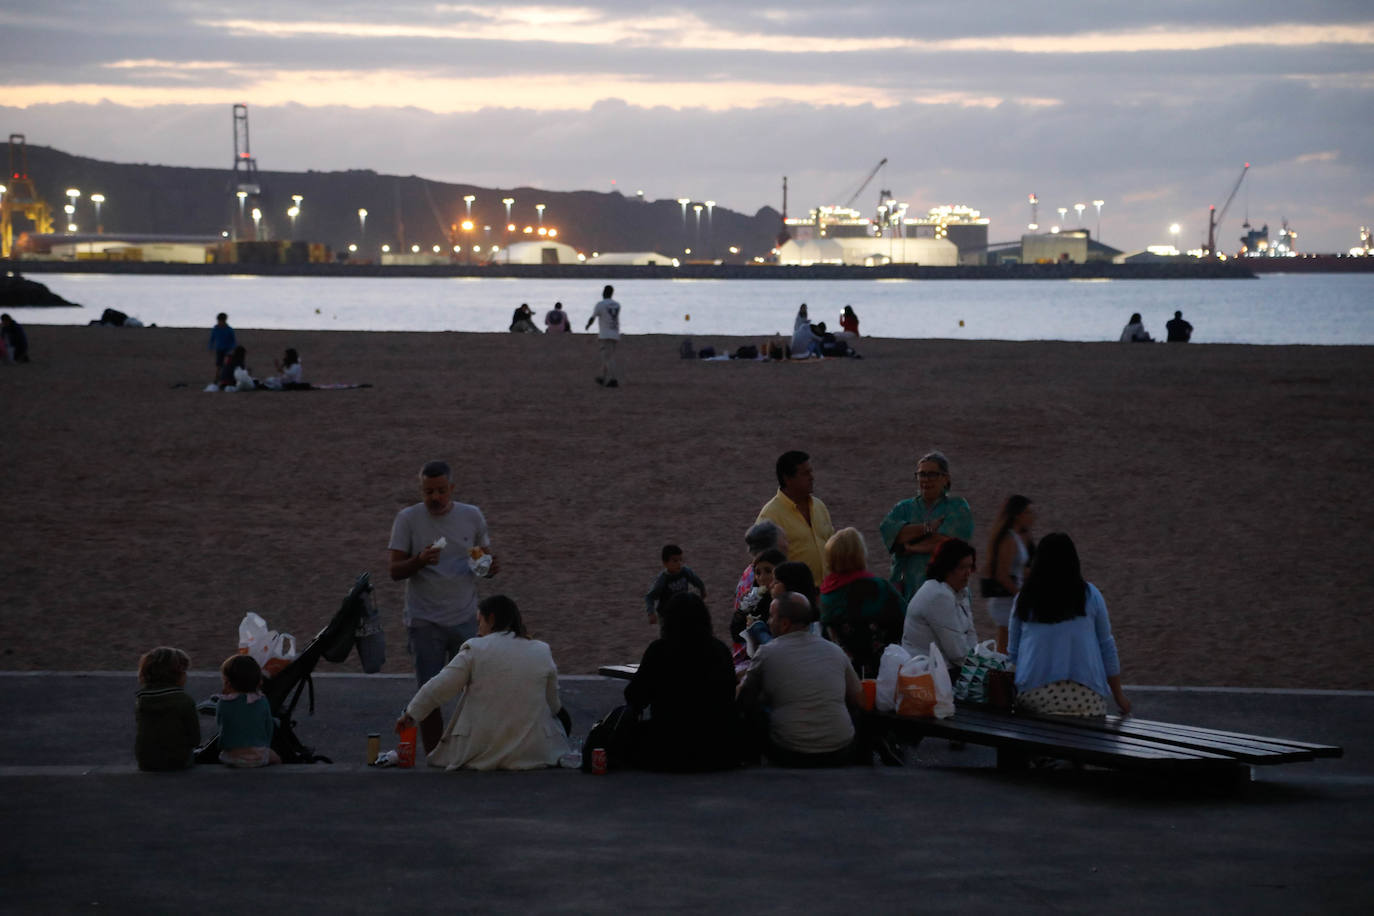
x,y
255,639
888,667
923,686
282,653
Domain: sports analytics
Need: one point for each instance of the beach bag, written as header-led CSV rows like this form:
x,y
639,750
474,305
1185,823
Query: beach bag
x,y
976,673
888,668
923,687
370,639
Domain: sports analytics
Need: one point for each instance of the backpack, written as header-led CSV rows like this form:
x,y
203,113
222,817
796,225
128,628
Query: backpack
x,y
613,735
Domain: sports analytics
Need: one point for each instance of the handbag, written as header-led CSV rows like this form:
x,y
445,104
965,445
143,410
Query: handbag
x,y
983,676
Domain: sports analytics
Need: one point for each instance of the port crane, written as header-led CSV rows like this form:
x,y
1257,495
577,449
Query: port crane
x,y
18,196
1214,218
871,175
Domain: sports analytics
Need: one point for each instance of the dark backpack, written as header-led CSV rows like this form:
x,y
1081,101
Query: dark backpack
x,y
612,735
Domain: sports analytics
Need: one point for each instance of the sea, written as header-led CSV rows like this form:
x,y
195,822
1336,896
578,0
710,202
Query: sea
x,y
1273,309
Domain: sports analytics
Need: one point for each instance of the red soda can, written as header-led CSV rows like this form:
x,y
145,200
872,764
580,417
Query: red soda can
x,y
405,748
599,761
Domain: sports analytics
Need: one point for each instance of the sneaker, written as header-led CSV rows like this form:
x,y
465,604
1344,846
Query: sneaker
x,y
612,384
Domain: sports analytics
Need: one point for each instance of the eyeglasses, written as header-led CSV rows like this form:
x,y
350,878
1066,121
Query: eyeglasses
x,y
926,475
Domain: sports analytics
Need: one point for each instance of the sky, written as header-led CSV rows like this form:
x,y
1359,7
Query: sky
x,y
1152,108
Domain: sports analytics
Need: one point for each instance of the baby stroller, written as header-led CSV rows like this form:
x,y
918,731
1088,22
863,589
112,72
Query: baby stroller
x,y
354,621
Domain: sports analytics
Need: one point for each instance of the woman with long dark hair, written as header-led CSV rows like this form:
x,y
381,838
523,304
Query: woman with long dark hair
x,y
509,716
1009,553
1060,638
686,682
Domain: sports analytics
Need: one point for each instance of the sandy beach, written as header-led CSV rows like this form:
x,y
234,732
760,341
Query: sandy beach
x,y
1215,492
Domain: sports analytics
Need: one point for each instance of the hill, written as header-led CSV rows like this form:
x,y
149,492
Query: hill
x,y
402,210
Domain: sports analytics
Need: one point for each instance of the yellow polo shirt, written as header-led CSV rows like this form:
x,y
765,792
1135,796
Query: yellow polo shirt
x,y
805,543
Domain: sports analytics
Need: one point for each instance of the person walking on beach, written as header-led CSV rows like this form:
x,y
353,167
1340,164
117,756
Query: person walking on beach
x,y
1179,330
222,341
607,318
804,519
431,544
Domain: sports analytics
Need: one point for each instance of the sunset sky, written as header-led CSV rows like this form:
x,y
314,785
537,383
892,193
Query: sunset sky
x,y
1151,107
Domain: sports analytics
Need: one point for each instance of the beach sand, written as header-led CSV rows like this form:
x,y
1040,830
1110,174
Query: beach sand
x,y
1215,492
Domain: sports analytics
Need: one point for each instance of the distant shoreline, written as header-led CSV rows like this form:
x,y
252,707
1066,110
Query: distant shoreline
x,y
1195,270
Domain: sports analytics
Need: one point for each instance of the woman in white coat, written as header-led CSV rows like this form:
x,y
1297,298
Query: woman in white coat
x,y
939,611
509,717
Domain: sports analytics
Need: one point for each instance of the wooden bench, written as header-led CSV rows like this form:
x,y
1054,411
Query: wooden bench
x,y
1114,741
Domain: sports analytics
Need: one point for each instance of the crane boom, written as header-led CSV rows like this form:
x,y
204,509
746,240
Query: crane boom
x,y
855,196
1214,218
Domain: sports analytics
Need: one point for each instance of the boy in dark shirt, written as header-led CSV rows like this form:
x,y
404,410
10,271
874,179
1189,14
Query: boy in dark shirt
x,y
674,580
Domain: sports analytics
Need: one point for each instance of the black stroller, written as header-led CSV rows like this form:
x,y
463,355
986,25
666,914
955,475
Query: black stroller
x,y
356,620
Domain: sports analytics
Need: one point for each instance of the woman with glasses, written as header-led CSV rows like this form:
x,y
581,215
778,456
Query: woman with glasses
x,y
916,527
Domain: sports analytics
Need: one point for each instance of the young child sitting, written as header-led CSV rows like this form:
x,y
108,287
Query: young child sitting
x,y
755,605
674,580
168,729
244,716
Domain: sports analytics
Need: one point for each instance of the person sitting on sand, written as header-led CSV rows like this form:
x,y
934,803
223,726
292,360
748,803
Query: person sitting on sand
x,y
860,612
1179,331
805,341
686,681
509,716
1134,331
556,320
522,320
849,323
1060,640
16,342
939,613
292,373
168,728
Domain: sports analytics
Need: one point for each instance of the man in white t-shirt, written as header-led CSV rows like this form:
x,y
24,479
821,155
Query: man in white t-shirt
x,y
431,543
607,318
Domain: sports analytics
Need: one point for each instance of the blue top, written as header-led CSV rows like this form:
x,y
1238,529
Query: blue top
x,y
1080,649
244,724
221,338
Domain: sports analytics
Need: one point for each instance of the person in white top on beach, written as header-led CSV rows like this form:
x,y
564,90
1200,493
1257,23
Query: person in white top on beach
x,y
607,318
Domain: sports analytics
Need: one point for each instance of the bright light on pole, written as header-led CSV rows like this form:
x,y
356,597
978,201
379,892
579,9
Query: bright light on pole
x,y
243,197
293,212
697,208
540,209
683,202
257,224
1098,204
508,201
468,199
1063,212
1080,208
98,199
710,223
362,224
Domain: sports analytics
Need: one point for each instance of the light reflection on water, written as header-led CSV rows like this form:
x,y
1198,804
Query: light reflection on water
x,y
1275,309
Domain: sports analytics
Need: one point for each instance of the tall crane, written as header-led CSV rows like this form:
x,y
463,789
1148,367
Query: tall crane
x,y
19,196
855,196
1214,218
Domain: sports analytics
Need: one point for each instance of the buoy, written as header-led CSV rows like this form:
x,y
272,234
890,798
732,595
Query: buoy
x,y
961,322
317,311
687,317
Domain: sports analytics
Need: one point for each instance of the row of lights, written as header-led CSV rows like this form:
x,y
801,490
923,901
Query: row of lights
x,y
73,195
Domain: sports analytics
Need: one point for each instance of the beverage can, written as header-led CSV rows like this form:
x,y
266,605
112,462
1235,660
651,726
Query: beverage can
x,y
599,761
374,746
405,748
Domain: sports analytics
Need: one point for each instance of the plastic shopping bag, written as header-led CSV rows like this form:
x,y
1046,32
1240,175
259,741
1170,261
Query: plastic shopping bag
x,y
254,638
282,653
923,687
888,666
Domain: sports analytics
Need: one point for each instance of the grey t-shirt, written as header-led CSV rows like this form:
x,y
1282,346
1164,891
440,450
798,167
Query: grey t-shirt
x,y
607,315
445,593
803,680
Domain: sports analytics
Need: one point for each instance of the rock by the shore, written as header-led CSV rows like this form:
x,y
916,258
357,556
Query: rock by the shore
x,y
17,292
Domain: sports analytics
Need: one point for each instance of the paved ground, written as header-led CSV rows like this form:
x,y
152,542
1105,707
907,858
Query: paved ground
x,y
86,832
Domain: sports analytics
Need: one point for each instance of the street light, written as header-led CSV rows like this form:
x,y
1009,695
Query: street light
x,y
1080,208
468,199
70,210
1174,230
293,212
1098,204
96,199
540,209
508,201
697,208
683,202
362,224
257,224
1063,212
710,223
242,195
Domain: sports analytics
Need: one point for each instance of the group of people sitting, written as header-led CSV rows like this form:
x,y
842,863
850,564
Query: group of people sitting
x,y
555,320
814,340
234,374
1179,330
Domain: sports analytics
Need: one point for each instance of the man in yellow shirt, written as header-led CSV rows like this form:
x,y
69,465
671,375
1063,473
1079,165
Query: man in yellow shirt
x,y
803,518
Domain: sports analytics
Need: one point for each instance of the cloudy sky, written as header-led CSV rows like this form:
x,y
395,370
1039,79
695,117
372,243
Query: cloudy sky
x,y
1151,107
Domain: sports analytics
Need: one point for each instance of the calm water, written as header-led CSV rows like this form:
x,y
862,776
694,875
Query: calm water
x,y
1276,309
